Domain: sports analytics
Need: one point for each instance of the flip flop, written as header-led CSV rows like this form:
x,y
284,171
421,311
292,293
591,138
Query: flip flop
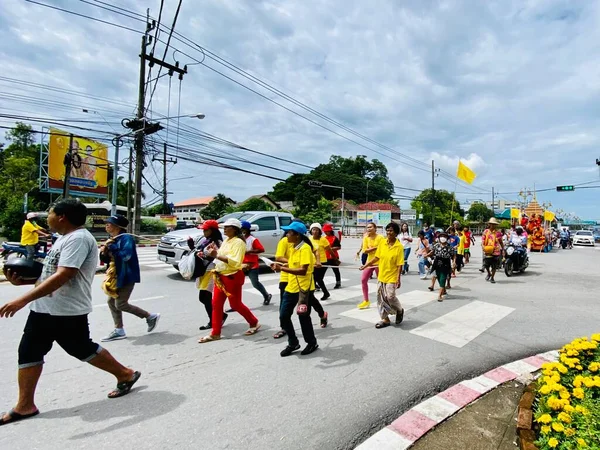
x,y
209,338
324,320
382,324
279,334
252,330
14,416
124,387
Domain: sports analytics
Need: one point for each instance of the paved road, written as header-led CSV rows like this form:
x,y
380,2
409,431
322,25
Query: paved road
x,y
239,393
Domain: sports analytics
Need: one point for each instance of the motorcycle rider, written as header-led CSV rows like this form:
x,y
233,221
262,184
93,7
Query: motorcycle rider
x,y
565,234
30,235
519,240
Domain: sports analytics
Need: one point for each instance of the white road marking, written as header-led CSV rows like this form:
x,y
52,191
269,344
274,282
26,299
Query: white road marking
x,y
408,300
104,305
273,289
461,326
385,439
158,264
436,408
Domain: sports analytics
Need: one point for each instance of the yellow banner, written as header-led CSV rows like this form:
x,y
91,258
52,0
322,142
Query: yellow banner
x,y
89,163
465,174
549,216
515,213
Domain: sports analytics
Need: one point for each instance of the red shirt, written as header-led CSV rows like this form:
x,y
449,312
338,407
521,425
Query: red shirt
x,y
333,242
252,258
467,239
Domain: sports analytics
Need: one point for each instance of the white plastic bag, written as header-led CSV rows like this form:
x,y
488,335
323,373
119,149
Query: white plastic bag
x,y
187,264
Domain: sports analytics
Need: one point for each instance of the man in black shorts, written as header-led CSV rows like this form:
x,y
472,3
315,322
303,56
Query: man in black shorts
x,y
59,306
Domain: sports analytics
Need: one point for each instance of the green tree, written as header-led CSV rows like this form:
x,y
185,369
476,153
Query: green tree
x,y
443,207
478,212
154,209
320,214
217,207
253,204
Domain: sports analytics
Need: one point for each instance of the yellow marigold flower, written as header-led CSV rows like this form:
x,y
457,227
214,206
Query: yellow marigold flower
x,y
562,369
555,378
579,367
581,442
577,383
545,418
589,383
565,395
564,417
596,337
545,389
547,366
578,393
558,427
546,429
569,432
553,442
554,403
569,408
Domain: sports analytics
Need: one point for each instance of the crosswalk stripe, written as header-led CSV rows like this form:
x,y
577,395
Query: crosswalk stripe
x,y
273,289
156,264
408,300
461,326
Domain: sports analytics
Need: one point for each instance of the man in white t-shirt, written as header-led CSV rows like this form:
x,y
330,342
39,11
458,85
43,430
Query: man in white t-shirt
x,y
59,306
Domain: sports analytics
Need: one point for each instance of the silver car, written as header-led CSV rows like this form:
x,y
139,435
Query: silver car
x,y
266,226
583,237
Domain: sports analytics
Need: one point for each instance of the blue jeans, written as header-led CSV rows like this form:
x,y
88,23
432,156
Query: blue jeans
x,y
286,311
421,265
406,254
253,275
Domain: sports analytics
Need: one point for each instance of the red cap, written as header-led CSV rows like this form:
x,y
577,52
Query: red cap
x,y
327,228
208,224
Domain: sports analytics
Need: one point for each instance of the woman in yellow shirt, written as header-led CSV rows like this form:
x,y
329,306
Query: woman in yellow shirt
x,y
321,247
369,247
229,279
390,256
299,269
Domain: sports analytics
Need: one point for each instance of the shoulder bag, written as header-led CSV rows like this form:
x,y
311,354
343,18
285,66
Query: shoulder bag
x,y
303,307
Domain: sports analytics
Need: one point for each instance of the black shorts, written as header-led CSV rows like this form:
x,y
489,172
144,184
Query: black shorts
x,y
72,333
491,261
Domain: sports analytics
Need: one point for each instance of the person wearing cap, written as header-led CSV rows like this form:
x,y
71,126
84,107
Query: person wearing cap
x,y
321,247
491,242
299,268
253,249
204,283
229,279
30,235
390,257
333,257
123,272
443,254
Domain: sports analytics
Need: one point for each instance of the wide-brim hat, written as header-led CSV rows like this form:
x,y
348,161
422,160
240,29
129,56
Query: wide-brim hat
x,y
233,223
494,221
118,221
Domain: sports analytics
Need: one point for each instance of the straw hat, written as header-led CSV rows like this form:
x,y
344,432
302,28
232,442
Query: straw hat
x,y
494,221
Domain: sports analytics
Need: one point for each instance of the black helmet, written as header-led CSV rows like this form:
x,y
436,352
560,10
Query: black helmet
x,y
24,268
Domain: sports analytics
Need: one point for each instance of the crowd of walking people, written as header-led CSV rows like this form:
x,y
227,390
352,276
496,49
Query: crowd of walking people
x,y
61,300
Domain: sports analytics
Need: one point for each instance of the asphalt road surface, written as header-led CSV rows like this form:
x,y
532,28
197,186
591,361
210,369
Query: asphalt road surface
x,y
238,393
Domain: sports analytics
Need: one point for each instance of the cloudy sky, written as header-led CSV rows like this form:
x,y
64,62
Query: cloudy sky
x,y
509,87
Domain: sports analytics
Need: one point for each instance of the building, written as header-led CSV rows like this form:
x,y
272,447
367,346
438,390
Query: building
x,y
190,209
379,213
265,198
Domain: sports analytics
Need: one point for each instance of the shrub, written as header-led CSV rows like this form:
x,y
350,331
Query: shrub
x,y
567,405
152,226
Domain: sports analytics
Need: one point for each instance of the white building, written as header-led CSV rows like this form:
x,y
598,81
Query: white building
x,y
190,209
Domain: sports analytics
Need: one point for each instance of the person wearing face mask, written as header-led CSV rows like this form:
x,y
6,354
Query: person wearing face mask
x,y
443,254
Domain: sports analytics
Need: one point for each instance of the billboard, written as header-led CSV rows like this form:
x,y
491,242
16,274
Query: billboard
x,y
380,218
89,168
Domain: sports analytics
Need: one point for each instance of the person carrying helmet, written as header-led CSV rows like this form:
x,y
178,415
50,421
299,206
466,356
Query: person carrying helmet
x,y
229,279
250,264
204,282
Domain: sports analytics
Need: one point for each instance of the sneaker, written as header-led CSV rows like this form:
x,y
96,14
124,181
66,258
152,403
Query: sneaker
x,y
423,277
289,350
337,286
152,321
309,349
114,336
267,300
364,305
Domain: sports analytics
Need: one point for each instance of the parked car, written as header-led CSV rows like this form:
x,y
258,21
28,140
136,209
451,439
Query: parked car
x,y
583,237
266,226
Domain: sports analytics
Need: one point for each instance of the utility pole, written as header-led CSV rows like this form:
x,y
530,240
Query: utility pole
x,y
164,161
432,193
68,163
115,185
493,198
129,181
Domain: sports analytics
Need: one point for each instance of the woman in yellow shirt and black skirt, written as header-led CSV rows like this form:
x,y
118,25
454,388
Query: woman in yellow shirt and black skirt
x,y
300,287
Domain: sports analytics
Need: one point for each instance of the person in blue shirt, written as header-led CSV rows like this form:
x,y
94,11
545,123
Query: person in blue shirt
x,y
119,252
429,233
453,238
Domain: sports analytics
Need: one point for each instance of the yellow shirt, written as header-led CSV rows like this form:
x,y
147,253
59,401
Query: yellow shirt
x,y
298,258
372,243
284,248
319,246
390,261
28,234
461,245
235,250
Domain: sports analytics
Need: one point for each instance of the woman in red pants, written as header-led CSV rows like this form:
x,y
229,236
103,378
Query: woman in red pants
x,y
229,279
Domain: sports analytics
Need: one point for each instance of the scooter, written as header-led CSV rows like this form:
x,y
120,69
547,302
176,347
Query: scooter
x,y
517,260
18,251
565,242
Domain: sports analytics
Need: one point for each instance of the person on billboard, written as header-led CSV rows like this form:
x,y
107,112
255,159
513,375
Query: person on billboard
x,y
89,164
76,161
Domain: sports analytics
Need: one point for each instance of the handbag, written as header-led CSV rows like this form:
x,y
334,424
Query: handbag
x,y
303,307
489,249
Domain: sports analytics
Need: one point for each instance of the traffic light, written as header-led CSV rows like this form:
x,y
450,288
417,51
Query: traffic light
x,y
565,188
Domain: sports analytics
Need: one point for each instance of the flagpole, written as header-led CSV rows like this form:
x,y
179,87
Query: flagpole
x,y
453,199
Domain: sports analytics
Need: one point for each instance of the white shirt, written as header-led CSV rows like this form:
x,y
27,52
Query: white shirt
x,y
404,239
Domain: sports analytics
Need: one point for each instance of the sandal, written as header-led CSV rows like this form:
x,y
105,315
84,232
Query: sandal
x,y
124,387
14,416
382,324
430,288
279,334
324,320
252,330
209,338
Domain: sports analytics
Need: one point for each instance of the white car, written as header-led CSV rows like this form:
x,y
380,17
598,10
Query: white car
x,y
266,226
583,237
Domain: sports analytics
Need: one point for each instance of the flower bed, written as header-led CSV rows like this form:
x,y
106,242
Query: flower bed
x,y
567,406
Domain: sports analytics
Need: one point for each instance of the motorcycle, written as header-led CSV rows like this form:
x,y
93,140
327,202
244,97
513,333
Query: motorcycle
x,y
565,242
14,250
517,259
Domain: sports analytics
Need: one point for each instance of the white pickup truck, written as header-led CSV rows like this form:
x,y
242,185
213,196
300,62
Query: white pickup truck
x,y
266,226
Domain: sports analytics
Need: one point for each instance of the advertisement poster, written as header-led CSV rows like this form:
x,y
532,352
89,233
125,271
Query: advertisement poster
x,y
89,174
379,218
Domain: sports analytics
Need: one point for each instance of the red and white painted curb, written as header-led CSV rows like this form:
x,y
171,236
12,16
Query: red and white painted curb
x,y
414,423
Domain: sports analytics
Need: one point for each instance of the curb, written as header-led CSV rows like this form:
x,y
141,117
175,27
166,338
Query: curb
x,y
414,423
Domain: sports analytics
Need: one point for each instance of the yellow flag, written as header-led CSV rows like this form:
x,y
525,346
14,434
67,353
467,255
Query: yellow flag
x,y
549,216
515,213
465,174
